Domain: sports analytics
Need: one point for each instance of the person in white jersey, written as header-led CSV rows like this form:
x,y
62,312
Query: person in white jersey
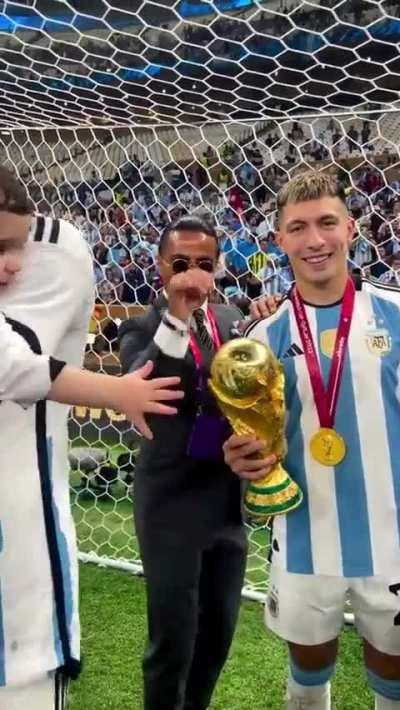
x,y
339,344
26,378
46,298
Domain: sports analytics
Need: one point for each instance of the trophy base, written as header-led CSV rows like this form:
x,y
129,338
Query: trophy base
x,y
263,501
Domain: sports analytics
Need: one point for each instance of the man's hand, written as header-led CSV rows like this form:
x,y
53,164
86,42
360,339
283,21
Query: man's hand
x,y
239,456
188,291
265,306
137,396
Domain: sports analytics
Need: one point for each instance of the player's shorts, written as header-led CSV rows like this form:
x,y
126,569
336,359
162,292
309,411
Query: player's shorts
x,y
47,693
309,609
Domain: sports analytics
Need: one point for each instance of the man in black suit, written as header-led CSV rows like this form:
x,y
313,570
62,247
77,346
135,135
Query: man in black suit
x,y
187,502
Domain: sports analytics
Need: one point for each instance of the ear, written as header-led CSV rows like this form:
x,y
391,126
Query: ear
x,y
351,225
220,263
278,238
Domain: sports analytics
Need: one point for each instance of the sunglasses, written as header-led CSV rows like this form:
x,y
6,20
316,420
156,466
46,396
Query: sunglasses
x,y
183,263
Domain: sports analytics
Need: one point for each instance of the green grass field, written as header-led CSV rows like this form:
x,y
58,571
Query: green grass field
x,y
114,630
105,526
114,624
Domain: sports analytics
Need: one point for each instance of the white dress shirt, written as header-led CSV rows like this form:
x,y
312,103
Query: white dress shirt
x,y
175,343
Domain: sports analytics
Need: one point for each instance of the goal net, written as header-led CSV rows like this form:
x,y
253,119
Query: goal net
x,y
121,116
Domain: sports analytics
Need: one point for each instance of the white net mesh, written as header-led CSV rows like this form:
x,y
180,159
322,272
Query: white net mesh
x,y
123,115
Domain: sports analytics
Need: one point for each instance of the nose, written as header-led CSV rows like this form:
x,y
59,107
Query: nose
x,y
315,238
12,264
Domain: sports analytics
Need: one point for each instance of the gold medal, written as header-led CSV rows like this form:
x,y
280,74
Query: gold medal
x,y
327,447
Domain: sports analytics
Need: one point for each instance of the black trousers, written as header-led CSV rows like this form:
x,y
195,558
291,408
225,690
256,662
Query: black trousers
x,y
193,600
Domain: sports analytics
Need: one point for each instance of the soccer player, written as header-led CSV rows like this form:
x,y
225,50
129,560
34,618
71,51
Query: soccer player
x,y
46,296
339,345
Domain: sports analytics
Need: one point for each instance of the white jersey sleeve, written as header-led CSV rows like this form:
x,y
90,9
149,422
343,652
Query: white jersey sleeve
x,y
259,329
77,293
24,377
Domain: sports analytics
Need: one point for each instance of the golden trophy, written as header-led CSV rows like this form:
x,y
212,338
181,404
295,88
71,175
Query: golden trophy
x,y
248,383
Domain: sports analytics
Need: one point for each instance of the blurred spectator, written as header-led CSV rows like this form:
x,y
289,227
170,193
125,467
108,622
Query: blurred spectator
x,y
237,192
352,138
365,132
391,277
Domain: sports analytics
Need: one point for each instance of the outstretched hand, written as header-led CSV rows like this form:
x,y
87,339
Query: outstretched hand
x,y
138,396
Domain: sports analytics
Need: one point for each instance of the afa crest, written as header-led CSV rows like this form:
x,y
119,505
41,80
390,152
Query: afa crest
x,y
377,338
379,342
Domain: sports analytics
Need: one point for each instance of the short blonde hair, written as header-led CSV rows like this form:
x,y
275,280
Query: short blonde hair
x,y
310,185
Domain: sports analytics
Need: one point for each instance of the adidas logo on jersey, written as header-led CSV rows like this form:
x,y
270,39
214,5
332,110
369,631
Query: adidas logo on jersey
x,y
293,351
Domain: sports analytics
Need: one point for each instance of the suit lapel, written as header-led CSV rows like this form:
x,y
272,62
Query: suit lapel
x,y
160,305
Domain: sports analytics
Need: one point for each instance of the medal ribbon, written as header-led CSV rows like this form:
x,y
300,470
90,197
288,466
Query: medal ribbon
x,y
196,352
325,400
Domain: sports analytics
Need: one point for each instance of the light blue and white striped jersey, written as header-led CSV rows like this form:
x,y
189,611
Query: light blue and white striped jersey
x,y
349,521
49,305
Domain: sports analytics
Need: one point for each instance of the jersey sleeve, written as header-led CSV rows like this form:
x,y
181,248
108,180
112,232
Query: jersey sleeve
x,y
76,336
71,294
258,330
25,377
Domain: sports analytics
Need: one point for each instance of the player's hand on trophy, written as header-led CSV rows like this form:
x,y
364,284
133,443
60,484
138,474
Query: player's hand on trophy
x,y
240,455
187,291
137,396
265,306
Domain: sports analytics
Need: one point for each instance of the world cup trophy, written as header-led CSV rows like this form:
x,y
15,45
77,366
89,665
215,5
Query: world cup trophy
x,y
247,381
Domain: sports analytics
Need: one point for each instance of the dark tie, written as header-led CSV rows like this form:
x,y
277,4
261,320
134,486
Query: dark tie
x,y
202,332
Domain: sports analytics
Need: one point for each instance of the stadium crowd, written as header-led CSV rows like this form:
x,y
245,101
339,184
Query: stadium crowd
x,y
225,39
122,219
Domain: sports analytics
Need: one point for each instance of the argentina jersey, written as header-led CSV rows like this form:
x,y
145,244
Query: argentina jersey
x,y
49,305
349,521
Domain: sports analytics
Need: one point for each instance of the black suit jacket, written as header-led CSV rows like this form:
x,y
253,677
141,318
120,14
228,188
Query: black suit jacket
x,y
175,494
